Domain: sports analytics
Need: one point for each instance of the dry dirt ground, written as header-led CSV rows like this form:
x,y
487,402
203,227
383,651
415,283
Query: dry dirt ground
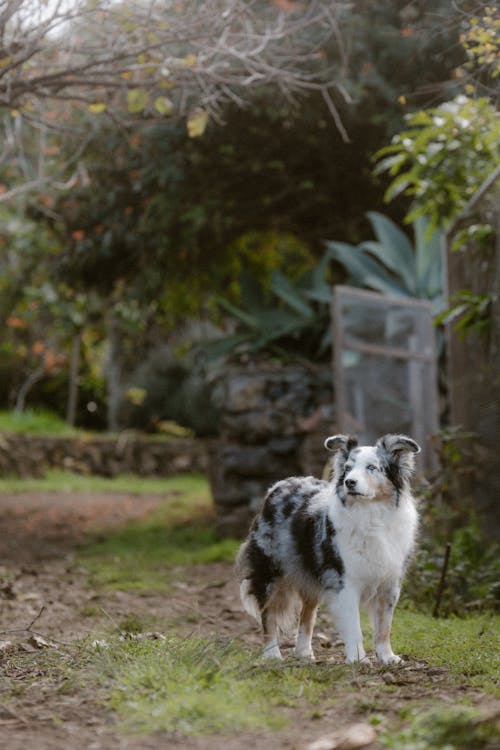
x,y
44,594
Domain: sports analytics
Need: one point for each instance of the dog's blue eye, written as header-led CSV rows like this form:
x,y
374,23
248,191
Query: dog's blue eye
x,y
371,467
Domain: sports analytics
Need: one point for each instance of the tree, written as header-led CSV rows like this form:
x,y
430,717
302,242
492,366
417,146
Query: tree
x,y
444,157
149,59
451,152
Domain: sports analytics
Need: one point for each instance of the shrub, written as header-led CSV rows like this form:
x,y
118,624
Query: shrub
x,y
167,388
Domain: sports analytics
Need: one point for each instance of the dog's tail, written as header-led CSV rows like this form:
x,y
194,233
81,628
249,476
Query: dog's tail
x,y
244,572
282,598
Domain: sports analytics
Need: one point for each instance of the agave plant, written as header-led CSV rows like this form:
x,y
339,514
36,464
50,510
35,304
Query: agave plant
x,y
288,318
391,264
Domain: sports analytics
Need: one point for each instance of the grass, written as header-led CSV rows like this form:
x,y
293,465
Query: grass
x,y
457,728
34,422
64,481
197,687
469,648
141,554
192,685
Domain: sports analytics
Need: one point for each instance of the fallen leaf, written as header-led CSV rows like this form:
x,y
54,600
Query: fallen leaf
x,y
8,590
39,642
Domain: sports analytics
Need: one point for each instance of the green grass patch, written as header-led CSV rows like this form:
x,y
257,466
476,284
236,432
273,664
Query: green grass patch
x,y
197,687
469,647
34,422
201,686
66,481
141,554
457,728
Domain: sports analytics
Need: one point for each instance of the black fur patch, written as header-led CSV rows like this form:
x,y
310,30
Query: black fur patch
x,y
352,442
264,571
269,509
331,557
288,507
393,474
305,531
314,541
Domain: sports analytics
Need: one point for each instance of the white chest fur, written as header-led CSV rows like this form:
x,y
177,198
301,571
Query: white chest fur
x,y
374,540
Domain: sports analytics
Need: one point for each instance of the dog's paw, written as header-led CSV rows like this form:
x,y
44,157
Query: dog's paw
x,y
365,661
355,654
389,659
306,654
272,652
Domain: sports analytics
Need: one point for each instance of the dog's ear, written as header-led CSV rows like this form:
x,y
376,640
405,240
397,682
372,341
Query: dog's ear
x,y
339,445
344,443
397,444
397,452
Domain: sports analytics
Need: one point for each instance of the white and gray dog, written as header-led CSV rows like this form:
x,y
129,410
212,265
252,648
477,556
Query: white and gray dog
x,y
344,542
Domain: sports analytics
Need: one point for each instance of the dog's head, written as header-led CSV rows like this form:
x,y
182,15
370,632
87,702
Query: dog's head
x,y
378,472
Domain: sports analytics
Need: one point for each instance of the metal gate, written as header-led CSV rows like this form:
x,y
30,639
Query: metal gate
x,y
385,367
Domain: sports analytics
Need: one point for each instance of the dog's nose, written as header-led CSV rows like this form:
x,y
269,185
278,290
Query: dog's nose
x,y
350,484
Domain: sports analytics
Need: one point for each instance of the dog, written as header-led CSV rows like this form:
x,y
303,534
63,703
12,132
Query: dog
x,y
345,541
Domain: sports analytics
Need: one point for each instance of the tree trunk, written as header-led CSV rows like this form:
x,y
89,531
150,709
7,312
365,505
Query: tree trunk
x,y
30,381
74,367
113,371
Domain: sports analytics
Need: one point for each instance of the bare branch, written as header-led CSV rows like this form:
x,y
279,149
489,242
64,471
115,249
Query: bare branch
x,y
196,55
151,45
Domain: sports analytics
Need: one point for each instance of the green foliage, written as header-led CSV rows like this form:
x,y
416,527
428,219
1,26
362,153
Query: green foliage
x,y
34,422
468,312
481,41
174,389
448,516
391,265
457,728
260,253
443,158
287,319
26,248
396,49
473,575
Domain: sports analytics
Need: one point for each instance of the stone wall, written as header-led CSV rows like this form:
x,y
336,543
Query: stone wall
x,y
31,455
273,424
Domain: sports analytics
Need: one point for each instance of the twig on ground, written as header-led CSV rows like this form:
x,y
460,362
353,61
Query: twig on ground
x,y
114,623
37,617
442,581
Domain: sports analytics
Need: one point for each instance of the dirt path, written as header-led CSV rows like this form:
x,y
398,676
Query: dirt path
x,y
43,592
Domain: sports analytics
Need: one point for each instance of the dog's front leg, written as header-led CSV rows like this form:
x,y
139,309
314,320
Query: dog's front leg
x,y
344,607
383,611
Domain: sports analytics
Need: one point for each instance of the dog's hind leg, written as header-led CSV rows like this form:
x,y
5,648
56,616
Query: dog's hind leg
x,y
303,648
270,628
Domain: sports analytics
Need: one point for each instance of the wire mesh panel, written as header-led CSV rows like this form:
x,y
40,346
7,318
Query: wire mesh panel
x,y
385,366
